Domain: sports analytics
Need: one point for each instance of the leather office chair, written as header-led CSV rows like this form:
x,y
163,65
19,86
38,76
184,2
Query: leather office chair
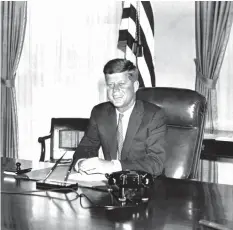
x,y
185,110
65,135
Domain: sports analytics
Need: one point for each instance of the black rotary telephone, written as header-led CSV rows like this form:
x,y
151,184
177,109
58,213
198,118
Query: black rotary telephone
x,y
131,184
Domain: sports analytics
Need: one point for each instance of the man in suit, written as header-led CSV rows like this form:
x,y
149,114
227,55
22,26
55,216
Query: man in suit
x,y
131,132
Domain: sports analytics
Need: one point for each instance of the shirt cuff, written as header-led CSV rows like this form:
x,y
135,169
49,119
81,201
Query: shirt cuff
x,y
76,165
116,165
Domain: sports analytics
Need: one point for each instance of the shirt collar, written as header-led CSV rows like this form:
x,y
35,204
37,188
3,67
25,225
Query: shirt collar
x,y
127,112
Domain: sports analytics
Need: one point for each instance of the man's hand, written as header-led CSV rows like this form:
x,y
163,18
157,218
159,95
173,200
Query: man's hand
x,y
96,165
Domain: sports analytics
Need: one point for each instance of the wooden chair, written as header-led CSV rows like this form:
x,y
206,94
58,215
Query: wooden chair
x,y
65,135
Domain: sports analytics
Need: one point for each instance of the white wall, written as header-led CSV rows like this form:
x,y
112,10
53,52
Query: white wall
x,y
174,43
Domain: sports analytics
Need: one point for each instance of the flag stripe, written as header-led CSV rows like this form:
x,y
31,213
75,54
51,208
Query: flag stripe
x,y
127,4
130,55
149,12
126,12
132,29
129,12
145,27
144,69
125,36
128,24
145,37
148,57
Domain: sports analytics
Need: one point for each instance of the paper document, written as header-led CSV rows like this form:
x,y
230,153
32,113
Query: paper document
x,y
88,180
84,177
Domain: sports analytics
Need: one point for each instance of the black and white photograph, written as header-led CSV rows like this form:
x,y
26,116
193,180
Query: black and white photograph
x,y
116,115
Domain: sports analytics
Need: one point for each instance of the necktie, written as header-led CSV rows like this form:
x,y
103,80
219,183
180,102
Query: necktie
x,y
120,139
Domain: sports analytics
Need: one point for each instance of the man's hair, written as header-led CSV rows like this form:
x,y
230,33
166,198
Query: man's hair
x,y
119,65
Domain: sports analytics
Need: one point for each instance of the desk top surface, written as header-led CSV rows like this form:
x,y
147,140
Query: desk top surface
x,y
174,204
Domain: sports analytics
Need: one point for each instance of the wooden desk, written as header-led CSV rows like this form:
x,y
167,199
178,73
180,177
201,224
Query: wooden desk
x,y
175,204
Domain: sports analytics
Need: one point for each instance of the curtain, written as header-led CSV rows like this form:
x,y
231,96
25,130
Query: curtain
x,y
13,23
213,21
61,67
225,93
208,171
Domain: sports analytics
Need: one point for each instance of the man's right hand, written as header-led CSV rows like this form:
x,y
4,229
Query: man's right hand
x,y
95,165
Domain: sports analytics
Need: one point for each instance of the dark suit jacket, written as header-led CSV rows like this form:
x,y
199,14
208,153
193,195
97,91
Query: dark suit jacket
x,y
143,147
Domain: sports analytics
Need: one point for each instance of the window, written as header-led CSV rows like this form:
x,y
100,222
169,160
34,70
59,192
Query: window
x,y
61,68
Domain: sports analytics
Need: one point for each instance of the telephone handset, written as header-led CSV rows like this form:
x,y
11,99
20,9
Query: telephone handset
x,y
130,179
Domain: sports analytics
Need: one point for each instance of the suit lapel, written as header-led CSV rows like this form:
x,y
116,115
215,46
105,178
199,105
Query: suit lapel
x,y
111,127
133,125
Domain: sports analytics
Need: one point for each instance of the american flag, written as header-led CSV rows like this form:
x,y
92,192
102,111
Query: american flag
x,y
136,38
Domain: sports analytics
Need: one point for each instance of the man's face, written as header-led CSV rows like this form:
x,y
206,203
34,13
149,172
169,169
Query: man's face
x,y
121,90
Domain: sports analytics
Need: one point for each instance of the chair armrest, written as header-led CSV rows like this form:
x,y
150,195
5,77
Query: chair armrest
x,y
42,141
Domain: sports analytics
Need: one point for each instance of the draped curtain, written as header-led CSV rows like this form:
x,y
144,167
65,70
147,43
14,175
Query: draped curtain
x,y
213,22
13,23
208,171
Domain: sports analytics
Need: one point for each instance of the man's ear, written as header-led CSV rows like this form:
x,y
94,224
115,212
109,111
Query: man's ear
x,y
136,86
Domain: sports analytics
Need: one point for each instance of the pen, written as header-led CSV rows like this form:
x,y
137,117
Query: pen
x,y
100,189
213,225
69,171
55,165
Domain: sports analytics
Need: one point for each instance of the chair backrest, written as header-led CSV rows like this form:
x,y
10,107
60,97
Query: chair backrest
x,y
66,134
185,110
